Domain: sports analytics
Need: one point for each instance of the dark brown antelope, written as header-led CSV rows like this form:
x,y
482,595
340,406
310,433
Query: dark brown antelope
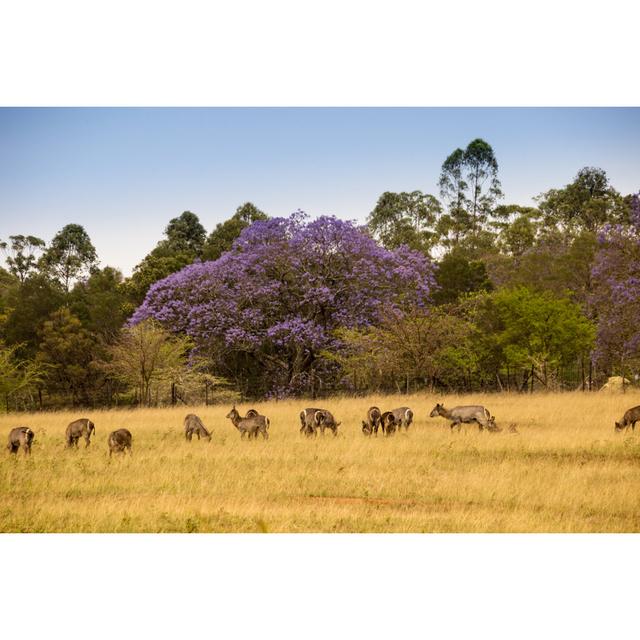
x,y
79,429
249,426
466,414
20,437
193,426
119,441
629,419
373,421
388,423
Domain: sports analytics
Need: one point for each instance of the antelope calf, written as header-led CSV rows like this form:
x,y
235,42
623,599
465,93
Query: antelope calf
x,y
20,437
629,419
79,429
250,426
193,426
119,441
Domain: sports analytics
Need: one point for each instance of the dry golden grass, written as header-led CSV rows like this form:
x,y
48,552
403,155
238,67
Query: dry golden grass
x,y
566,471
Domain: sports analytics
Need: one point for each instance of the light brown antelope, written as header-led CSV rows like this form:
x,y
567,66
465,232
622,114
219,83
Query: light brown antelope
x,y
312,420
249,426
404,417
193,426
78,429
20,437
119,441
466,414
629,419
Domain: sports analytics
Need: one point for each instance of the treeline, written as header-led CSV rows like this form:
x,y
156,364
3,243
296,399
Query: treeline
x,y
457,291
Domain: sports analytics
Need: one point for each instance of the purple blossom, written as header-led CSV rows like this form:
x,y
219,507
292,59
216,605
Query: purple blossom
x,y
274,300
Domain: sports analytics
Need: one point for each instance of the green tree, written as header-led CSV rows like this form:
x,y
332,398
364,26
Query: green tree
x,y
482,177
417,350
67,349
100,303
222,237
70,255
17,376
587,204
183,243
453,190
27,307
184,235
147,356
150,270
405,218
470,187
518,228
458,275
529,330
22,254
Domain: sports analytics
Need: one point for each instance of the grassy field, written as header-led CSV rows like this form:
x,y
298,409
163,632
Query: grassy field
x,y
565,471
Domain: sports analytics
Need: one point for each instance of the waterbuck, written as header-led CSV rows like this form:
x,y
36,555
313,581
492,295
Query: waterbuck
x,y
308,421
467,414
629,419
193,426
388,423
119,441
404,417
373,421
249,426
78,429
313,419
20,437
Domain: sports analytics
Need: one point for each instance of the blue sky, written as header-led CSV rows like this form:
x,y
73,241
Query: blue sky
x,y
123,173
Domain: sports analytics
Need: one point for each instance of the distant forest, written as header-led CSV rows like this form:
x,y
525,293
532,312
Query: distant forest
x,y
450,292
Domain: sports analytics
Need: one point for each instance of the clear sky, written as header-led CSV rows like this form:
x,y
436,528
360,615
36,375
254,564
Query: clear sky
x,y
123,173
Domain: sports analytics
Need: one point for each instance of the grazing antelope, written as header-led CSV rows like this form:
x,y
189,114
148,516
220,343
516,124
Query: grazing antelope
x,y
20,437
467,414
313,419
308,422
629,419
249,426
78,429
193,426
388,423
404,417
119,441
373,421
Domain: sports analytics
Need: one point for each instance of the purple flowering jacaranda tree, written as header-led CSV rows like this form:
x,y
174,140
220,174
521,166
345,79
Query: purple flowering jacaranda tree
x,y
616,295
266,310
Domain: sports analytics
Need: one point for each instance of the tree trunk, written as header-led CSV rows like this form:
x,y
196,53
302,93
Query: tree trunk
x,y
532,376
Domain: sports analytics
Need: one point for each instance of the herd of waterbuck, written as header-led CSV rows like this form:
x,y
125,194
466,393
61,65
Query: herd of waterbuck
x,y
312,421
